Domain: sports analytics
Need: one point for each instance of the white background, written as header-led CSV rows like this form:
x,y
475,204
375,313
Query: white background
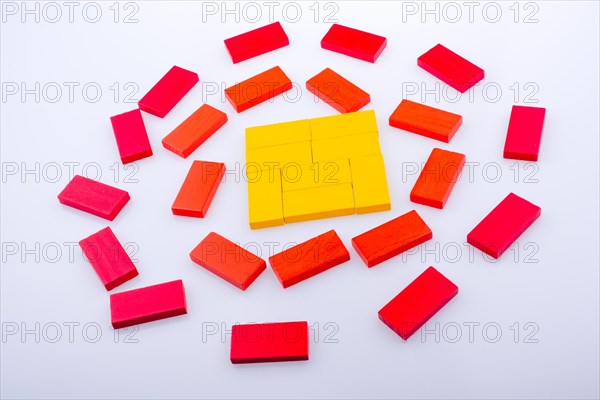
x,y
549,279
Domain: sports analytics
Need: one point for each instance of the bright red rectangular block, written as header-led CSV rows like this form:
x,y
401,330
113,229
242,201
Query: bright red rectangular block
x,y
418,302
269,342
198,189
131,136
256,42
391,238
353,43
309,258
503,225
168,91
228,260
109,259
147,304
524,133
93,197
451,68
440,173
424,120
258,89
337,91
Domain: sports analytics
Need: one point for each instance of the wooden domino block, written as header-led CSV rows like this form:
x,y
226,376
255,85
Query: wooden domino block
x,y
93,197
147,304
317,174
269,342
391,238
131,136
370,186
364,144
258,89
228,260
168,91
503,225
256,42
108,258
194,131
440,173
278,134
265,202
451,68
424,120
309,258
337,91
524,133
336,126
353,43
318,202
198,189
280,156
418,302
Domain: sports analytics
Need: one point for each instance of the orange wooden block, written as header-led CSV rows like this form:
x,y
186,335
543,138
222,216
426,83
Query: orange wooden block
x,y
258,89
198,189
337,91
437,178
424,120
194,131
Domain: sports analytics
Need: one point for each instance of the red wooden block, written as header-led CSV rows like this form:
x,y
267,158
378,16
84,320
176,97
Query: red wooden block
x,y
258,89
269,342
256,42
194,131
451,68
418,302
228,260
131,136
524,133
440,173
109,259
309,258
168,91
353,43
147,304
93,197
392,238
424,120
503,225
198,189
337,91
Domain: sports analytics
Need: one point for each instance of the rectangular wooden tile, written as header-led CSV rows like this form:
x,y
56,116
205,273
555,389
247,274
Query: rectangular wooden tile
x,y
337,91
280,156
269,342
503,225
418,302
319,202
131,136
256,42
317,174
336,126
258,89
309,258
168,91
363,144
524,133
451,68
354,43
424,120
369,183
265,202
198,189
391,238
278,134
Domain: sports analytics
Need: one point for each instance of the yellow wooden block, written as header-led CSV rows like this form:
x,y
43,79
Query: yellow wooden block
x,y
318,202
364,144
371,192
278,134
265,204
320,173
299,153
343,125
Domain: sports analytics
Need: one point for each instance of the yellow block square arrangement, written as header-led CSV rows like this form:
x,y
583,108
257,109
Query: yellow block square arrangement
x,y
315,168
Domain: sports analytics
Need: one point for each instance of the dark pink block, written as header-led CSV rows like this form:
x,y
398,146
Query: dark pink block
x,y
524,133
503,225
93,197
132,138
168,91
450,68
109,259
353,43
147,304
256,42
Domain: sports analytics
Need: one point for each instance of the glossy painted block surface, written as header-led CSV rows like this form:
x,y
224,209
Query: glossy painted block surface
x,y
256,42
354,43
168,91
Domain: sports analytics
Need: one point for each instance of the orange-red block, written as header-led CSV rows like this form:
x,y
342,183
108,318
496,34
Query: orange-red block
x,y
228,260
198,189
440,173
194,131
309,258
258,89
524,133
337,91
424,120
392,238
